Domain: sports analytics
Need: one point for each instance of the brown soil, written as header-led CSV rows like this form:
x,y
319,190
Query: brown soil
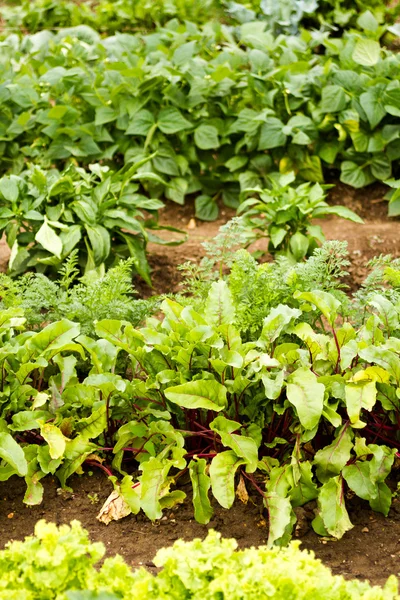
x,y
378,235
371,550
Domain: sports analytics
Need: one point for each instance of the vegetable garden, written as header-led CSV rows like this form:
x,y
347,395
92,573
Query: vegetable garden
x,y
200,305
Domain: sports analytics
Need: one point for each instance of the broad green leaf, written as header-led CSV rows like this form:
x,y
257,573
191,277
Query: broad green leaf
x,y
305,489
243,446
307,396
92,426
222,473
202,393
280,518
76,452
359,395
277,321
358,478
325,302
206,137
206,208
332,508
154,483
47,237
355,175
383,500
299,244
9,188
171,120
130,493
219,308
271,134
55,439
333,99
366,52
201,484
13,454
331,459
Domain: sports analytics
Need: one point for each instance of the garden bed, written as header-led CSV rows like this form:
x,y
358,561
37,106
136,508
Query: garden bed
x,y
371,550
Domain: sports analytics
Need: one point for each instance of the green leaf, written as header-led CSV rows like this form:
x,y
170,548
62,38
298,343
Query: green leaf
x,y
332,508
325,302
219,308
331,459
202,393
358,478
55,439
372,103
222,473
47,237
171,120
383,500
277,321
359,395
206,137
141,123
333,99
153,484
340,211
271,134
100,242
206,208
92,426
299,244
9,188
201,484
354,175
367,52
243,446
13,454
307,395
280,518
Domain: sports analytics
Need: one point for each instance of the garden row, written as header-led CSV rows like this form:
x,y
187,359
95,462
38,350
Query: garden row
x,y
127,15
282,383
60,564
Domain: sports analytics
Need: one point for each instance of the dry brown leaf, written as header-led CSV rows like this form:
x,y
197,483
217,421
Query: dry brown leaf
x,y
113,509
241,491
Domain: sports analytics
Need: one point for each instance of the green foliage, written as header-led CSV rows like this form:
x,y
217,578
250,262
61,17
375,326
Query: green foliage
x,y
126,15
92,299
284,214
222,108
59,563
97,214
289,397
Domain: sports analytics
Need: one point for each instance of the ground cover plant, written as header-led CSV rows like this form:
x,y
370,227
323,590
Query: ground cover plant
x,y
59,563
298,403
221,109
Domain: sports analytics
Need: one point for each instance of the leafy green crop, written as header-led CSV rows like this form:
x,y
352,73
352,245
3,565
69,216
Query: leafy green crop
x,y
294,409
85,301
284,214
222,108
97,214
59,563
286,16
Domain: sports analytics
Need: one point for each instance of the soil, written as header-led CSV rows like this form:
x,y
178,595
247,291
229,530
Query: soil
x,y
371,551
378,235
